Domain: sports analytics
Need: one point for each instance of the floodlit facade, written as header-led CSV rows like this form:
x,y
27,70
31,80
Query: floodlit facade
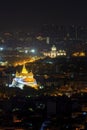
x,y
24,78
54,53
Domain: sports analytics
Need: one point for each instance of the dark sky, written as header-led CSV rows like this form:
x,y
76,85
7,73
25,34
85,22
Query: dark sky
x,y
29,13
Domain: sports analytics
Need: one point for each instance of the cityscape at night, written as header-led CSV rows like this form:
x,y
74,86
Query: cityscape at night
x,y
43,65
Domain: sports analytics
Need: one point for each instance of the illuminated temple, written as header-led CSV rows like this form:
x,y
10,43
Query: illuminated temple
x,y
24,78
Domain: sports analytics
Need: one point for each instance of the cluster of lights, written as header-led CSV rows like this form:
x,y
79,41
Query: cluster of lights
x,y
32,51
79,54
61,52
3,63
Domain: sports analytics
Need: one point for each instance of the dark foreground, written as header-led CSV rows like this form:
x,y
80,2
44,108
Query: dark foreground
x,y
44,113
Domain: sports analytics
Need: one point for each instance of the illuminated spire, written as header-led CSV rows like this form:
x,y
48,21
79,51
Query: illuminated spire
x,y
24,70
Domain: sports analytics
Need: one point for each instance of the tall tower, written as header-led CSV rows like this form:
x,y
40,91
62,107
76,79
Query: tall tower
x,y
47,40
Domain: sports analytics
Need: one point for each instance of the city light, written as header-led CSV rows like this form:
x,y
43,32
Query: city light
x,y
26,51
1,48
33,50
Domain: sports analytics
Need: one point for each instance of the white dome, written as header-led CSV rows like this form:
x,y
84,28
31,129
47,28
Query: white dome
x,y
53,48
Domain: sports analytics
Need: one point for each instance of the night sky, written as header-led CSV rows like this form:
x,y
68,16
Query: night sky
x,y
30,13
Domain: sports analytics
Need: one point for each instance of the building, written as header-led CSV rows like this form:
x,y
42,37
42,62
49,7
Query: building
x,y
24,78
54,52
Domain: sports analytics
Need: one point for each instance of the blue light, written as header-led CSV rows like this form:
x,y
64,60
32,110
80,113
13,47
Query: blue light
x,y
1,48
84,113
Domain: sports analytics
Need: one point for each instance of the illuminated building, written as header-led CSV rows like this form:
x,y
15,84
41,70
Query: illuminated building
x,y
24,78
3,63
54,53
80,54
